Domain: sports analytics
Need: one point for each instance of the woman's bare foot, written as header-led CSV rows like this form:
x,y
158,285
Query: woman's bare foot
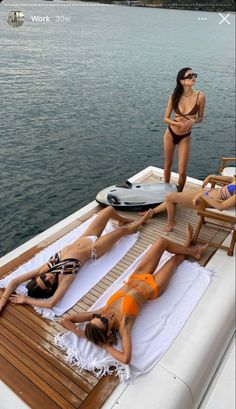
x,y
169,227
199,251
125,220
147,215
143,213
135,226
121,220
188,235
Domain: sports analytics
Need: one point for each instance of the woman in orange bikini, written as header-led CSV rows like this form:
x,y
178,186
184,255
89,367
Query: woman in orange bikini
x,y
122,308
188,106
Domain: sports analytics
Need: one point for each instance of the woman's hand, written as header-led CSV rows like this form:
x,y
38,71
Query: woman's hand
x,y
207,180
196,198
187,125
181,122
18,299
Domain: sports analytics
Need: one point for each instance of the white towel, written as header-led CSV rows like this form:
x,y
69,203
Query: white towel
x,y
90,273
156,327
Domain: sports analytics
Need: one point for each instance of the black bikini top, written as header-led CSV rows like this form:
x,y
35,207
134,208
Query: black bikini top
x,y
66,266
193,111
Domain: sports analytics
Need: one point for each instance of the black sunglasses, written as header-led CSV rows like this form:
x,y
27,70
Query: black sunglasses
x,y
190,76
45,282
104,320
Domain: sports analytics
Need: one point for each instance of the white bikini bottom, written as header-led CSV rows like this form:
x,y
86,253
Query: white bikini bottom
x,y
93,238
93,251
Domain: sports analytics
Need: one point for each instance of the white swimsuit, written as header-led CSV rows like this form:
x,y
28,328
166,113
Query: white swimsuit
x,y
93,251
93,238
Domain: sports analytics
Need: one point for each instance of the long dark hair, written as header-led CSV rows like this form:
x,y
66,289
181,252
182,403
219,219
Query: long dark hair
x,y
179,87
99,336
35,291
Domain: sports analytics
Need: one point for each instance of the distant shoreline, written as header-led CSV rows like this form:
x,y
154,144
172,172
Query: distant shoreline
x,y
216,6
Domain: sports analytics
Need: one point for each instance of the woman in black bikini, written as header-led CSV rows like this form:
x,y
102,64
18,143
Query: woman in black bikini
x,y
188,106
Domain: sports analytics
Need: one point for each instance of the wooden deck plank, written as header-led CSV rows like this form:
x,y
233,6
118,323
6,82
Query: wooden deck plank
x,y
100,393
46,361
9,352
28,354
29,336
23,386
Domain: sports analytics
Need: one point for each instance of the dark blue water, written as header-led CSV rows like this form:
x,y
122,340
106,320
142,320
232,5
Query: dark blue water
x,y
82,103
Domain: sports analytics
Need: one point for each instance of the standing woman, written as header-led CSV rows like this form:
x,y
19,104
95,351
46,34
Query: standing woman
x,y
188,106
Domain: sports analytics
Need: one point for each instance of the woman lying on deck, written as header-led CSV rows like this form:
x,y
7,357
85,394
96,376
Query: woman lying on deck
x,y
219,198
123,307
51,280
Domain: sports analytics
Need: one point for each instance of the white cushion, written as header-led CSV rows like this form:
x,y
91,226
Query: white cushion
x,y
230,171
229,212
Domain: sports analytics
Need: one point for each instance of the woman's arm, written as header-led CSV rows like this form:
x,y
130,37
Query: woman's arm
x,y
20,280
197,196
123,356
63,286
227,179
70,321
167,115
202,102
219,204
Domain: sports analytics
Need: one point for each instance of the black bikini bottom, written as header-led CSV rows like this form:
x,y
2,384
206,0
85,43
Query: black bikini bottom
x,y
177,138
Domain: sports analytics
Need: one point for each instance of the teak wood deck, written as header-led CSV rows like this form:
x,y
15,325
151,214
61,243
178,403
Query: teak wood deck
x,y
33,367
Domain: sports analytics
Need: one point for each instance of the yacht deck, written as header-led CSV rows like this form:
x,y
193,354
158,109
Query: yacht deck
x,y
31,365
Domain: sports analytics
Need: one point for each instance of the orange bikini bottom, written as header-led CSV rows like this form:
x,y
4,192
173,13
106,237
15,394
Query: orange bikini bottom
x,y
147,278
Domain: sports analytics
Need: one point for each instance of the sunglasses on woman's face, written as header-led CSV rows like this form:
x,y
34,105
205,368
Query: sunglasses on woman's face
x,y
45,282
190,76
104,320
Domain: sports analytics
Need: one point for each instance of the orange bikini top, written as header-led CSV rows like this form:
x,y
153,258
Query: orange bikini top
x,y
129,305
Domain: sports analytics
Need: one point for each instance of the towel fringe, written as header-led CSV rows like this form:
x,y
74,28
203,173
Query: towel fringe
x,y
99,369
45,313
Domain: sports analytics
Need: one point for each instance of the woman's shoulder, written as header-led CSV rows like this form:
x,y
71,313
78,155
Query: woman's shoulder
x,y
200,94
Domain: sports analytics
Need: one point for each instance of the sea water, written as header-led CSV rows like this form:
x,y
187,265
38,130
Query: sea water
x,y
84,89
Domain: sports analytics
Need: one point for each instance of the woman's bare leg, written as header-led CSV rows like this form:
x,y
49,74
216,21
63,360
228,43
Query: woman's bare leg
x,y
171,211
98,225
172,199
183,156
169,148
164,275
151,259
157,210
106,242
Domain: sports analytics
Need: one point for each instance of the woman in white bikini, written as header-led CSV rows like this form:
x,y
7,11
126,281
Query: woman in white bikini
x,y
48,283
